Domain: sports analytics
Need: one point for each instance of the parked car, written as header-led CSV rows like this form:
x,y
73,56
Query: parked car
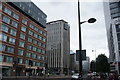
x,y
75,76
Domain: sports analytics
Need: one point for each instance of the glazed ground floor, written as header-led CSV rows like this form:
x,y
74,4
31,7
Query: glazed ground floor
x,y
58,71
115,67
21,71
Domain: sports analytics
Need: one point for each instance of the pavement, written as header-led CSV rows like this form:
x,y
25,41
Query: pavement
x,y
51,77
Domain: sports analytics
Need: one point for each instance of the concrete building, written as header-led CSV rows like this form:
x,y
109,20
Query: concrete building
x,y
22,38
86,64
72,62
58,46
112,19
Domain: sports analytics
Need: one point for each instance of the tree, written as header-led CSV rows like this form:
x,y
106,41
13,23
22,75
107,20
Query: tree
x,y
102,64
92,66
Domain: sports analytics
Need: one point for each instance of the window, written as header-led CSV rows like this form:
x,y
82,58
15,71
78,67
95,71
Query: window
x,y
30,32
35,41
40,31
22,36
23,7
3,47
29,39
24,21
0,13
28,54
15,16
20,5
4,37
38,57
37,64
114,5
12,40
29,47
115,10
117,28
35,35
40,37
38,18
28,11
43,45
1,36
9,59
15,24
13,32
10,49
23,28
31,26
20,52
34,63
43,51
42,64
38,50
6,19
30,5
118,36
34,48
1,57
5,28
44,39
20,60
27,61
0,6
35,28
33,55
43,58
44,34
21,44
39,43
8,11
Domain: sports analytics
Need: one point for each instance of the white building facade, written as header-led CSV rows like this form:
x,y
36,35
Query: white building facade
x,y
112,19
58,46
86,64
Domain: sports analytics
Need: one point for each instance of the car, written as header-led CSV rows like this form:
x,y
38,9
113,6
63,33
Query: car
x,y
75,76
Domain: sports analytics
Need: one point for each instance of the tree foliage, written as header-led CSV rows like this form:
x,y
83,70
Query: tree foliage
x,y
102,64
92,66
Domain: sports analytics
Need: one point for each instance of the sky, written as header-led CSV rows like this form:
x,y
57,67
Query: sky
x,y
93,35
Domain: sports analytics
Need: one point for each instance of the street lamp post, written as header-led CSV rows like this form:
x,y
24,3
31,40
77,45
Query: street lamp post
x,y
91,20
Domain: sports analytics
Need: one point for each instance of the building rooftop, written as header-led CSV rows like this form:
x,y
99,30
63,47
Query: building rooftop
x,y
57,21
32,11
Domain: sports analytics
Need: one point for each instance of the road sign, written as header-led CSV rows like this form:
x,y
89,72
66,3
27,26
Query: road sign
x,y
83,54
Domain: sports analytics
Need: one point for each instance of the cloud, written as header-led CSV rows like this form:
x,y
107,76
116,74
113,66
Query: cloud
x,y
93,35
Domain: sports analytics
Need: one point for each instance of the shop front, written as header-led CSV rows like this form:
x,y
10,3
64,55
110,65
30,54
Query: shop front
x,y
6,70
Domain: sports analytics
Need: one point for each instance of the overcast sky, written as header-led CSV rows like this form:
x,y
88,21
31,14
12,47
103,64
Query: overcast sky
x,y
93,35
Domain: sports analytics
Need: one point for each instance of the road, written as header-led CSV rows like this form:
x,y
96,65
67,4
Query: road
x,y
40,78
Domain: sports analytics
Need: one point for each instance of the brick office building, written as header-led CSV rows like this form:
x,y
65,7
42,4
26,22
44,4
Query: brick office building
x,y
22,38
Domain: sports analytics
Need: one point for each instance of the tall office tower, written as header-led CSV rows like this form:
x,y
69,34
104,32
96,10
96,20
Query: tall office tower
x,y
72,62
58,46
112,18
22,38
86,64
